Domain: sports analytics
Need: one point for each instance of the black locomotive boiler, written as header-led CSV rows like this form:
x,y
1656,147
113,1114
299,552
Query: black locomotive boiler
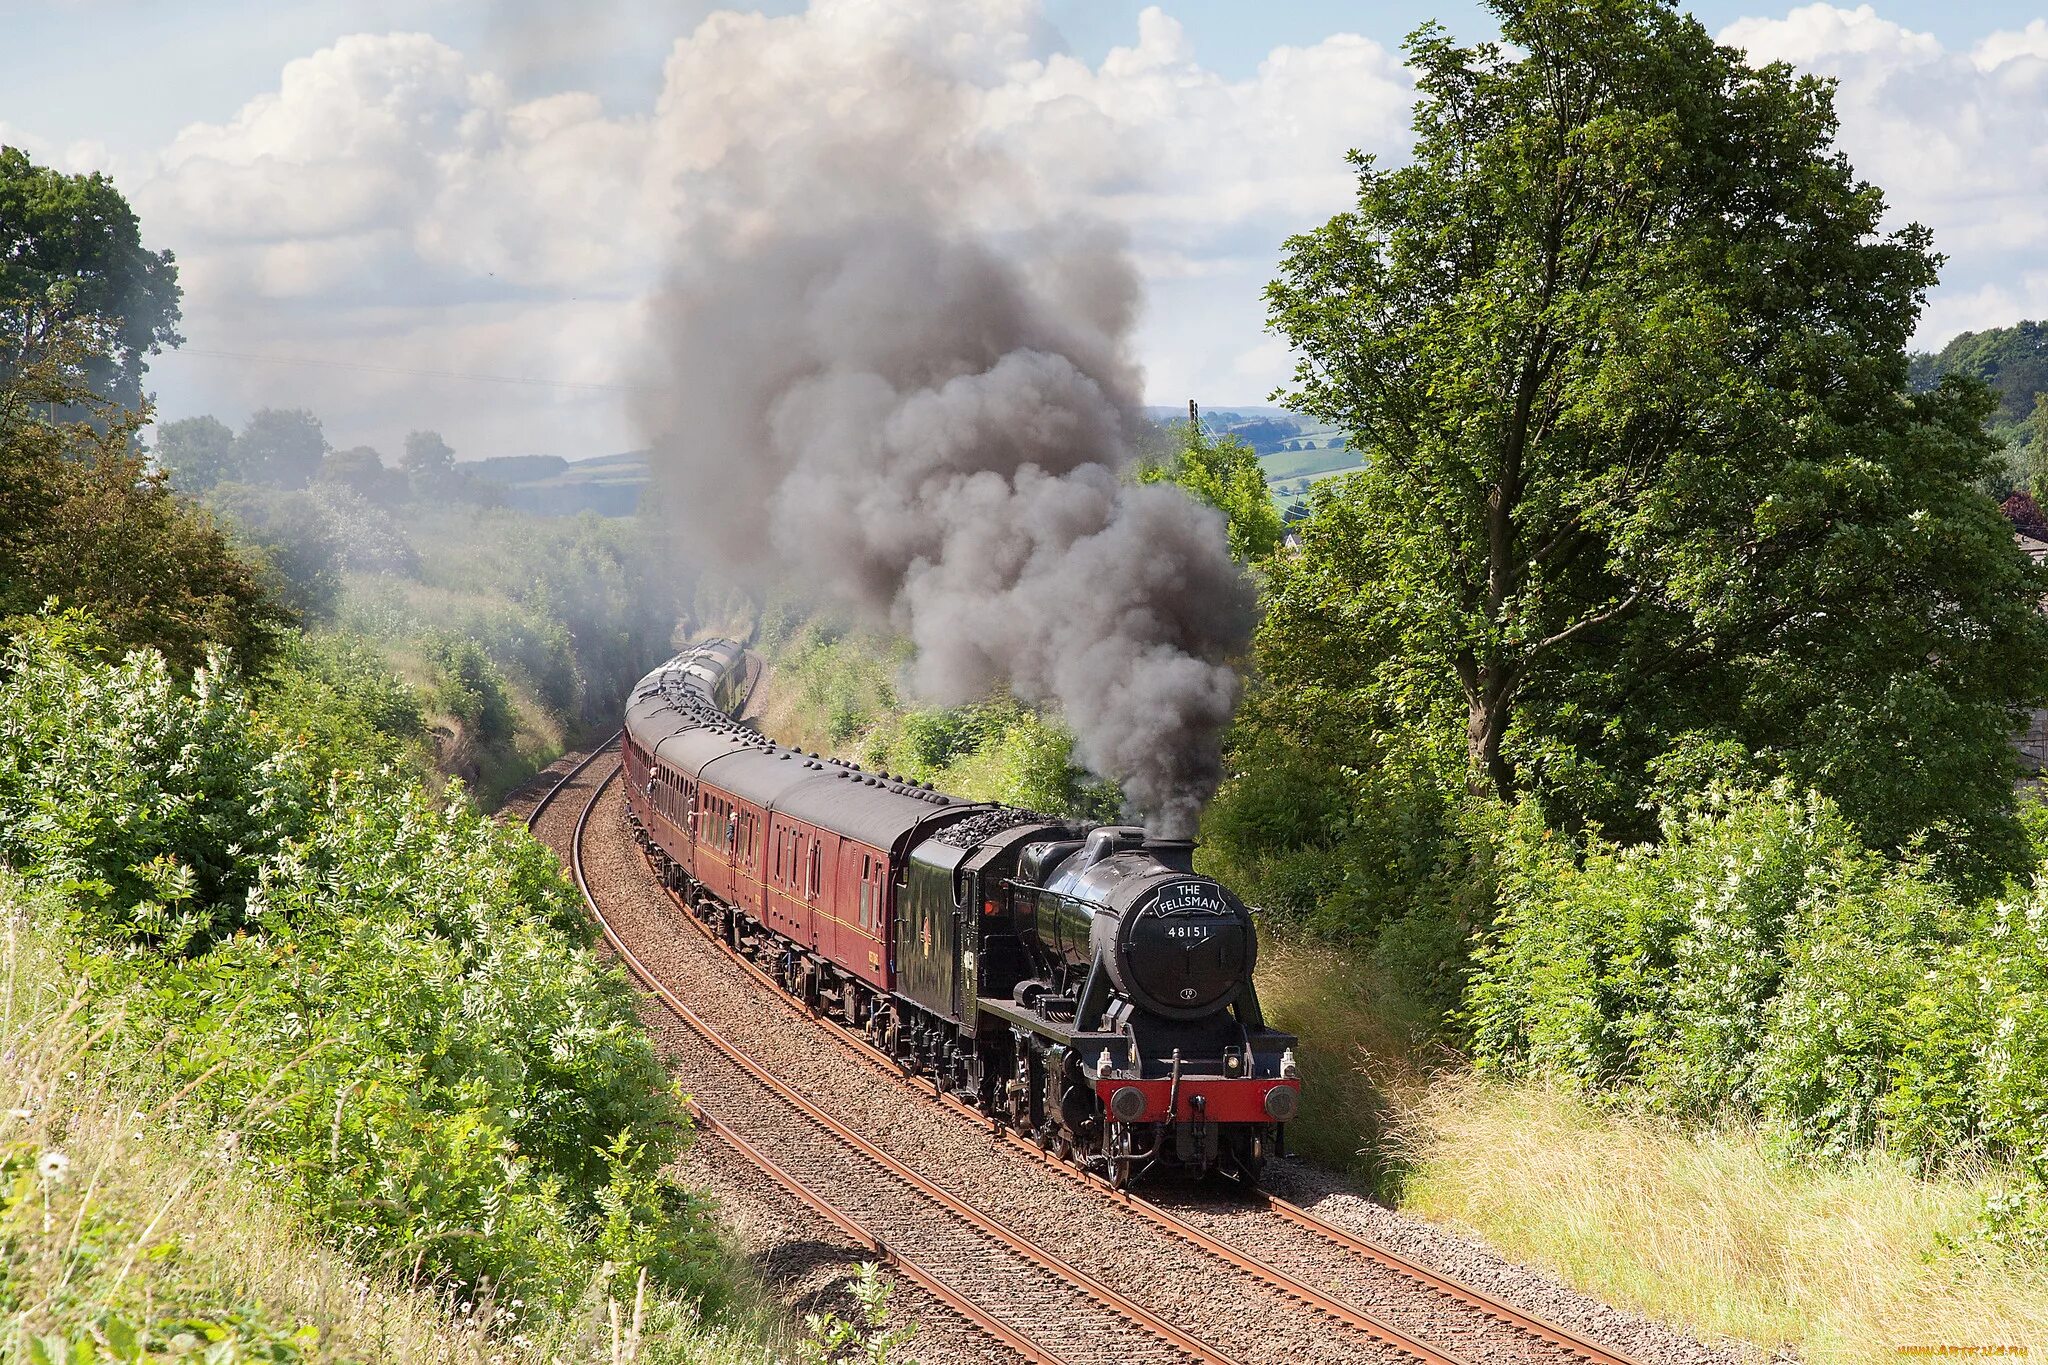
x,y
1081,983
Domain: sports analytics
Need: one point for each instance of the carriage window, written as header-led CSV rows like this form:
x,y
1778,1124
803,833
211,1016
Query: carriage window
x,y
866,894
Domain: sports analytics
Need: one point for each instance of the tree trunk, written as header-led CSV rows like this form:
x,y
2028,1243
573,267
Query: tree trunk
x,y
1487,771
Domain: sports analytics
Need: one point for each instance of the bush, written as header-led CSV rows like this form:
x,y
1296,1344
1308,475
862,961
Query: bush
x,y
404,1031
467,687
294,537
151,808
1762,961
334,693
417,1051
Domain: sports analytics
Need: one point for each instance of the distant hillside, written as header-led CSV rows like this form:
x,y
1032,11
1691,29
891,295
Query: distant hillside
x,y
1296,450
2012,360
549,485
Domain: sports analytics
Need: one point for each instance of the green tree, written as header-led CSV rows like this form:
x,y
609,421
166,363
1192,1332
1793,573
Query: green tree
x,y
1624,351
198,452
283,447
2037,447
362,471
1225,473
85,522
2012,360
428,463
71,253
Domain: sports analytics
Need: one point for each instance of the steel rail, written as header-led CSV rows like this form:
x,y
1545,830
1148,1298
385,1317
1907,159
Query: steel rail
x,y
1004,1236
547,797
909,1267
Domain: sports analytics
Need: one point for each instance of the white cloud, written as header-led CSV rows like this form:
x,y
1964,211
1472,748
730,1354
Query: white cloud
x,y
392,201
1954,138
2013,45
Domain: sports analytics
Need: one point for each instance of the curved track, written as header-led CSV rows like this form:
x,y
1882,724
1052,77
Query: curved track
x,y
1277,1245
994,1277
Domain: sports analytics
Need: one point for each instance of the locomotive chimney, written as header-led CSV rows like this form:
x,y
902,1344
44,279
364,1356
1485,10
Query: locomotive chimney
x,y
1178,854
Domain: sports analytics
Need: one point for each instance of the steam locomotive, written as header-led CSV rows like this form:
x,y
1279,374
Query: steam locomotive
x,y
1081,984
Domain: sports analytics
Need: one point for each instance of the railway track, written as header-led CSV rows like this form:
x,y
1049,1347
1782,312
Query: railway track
x,y
1048,1287
1419,1313
1555,1338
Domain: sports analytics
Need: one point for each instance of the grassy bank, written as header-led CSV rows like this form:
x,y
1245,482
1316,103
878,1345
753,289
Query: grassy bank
x,y
1842,1261
132,1229
1721,1231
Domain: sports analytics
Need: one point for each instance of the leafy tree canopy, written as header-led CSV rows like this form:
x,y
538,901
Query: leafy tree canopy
x,y
282,447
1647,497
71,252
198,452
2012,360
362,471
1225,473
86,523
428,462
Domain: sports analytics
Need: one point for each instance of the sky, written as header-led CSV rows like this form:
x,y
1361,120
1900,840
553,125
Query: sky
x,y
451,213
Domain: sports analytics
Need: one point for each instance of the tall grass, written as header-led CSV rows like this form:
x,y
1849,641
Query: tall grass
x,y
1850,1261
1723,1231
129,1228
1358,1066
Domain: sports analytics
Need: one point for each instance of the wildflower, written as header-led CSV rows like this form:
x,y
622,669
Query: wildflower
x,y
53,1166
21,1115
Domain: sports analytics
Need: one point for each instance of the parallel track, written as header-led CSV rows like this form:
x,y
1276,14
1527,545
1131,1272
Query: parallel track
x,y
1176,1342
1359,1319
1349,1315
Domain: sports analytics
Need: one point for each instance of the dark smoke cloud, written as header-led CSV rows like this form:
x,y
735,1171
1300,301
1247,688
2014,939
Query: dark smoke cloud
x,y
879,380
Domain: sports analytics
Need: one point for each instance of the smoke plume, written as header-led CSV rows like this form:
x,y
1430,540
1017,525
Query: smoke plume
x,y
884,373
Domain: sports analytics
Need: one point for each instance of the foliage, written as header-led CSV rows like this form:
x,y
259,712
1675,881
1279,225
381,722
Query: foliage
x,y
146,1228
2013,361
1623,348
428,464
833,1340
1761,960
334,695
1224,472
198,453
292,536
362,471
575,607
366,537
402,1031
283,447
2025,515
150,806
85,523
468,688
71,253
834,690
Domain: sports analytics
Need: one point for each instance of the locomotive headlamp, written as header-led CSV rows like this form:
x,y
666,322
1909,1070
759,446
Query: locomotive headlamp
x,y
1105,1063
1288,1070
1127,1103
1283,1102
